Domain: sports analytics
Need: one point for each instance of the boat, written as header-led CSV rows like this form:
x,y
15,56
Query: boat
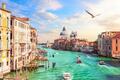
x,y
101,62
78,60
67,76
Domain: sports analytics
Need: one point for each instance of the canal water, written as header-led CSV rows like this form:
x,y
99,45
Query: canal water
x,y
65,61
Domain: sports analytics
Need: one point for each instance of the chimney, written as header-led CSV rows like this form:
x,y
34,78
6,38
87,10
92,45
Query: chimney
x,y
4,6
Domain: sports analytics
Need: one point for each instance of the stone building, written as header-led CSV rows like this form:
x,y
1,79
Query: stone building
x,y
109,44
4,40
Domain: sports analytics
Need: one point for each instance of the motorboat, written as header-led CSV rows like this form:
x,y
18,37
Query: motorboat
x,y
101,62
67,76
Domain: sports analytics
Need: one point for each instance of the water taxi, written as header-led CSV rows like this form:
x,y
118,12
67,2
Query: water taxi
x,y
101,62
67,76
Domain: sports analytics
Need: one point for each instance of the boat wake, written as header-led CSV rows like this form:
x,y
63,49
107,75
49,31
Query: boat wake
x,y
89,57
83,65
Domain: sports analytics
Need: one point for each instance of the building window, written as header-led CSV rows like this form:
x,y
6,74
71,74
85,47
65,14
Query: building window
x,y
116,41
7,22
7,63
10,22
10,35
109,48
0,64
116,48
7,54
7,41
7,35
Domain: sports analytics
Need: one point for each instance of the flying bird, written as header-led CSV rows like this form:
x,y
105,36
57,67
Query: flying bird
x,y
93,16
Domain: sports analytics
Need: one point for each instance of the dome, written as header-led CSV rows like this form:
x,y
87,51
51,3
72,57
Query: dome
x,y
61,34
64,29
73,34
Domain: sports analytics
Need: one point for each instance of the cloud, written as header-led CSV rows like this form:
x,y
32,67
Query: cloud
x,y
48,16
49,5
45,7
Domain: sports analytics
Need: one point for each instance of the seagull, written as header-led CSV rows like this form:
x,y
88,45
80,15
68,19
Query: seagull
x,y
93,16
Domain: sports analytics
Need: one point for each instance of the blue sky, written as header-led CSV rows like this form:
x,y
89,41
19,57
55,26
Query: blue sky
x,y
49,16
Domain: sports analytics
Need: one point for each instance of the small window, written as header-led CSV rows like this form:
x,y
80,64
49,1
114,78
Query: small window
x,y
7,22
11,35
116,48
11,22
7,54
116,41
109,48
7,37
7,63
0,64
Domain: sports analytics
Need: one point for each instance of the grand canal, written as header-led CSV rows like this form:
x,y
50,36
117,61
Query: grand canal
x,y
65,61
89,69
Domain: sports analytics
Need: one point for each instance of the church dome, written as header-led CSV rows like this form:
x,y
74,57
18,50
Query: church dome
x,y
73,34
63,33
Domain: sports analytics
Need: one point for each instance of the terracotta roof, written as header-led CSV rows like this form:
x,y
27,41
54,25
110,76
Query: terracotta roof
x,y
5,10
111,32
109,36
22,19
116,36
33,28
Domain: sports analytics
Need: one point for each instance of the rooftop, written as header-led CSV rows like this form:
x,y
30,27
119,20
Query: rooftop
x,y
22,19
5,10
117,36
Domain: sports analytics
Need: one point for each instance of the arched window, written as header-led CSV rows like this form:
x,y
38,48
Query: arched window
x,y
7,22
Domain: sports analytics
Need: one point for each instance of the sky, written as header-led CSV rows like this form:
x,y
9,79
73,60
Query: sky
x,y
50,16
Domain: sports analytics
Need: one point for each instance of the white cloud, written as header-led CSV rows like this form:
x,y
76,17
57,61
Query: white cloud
x,y
44,7
48,16
50,5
